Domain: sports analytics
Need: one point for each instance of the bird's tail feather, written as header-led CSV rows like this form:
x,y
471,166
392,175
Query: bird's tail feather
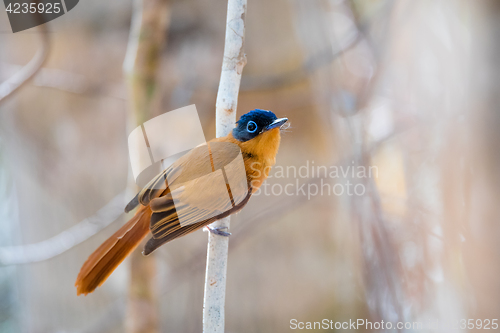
x,y
112,252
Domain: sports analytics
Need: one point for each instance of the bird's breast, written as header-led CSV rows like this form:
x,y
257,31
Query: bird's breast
x,y
259,155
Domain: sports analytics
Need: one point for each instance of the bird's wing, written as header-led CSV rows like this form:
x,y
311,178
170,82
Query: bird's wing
x,y
194,163
176,230
201,192
202,186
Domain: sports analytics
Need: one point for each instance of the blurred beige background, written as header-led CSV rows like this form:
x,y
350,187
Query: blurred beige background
x,y
409,87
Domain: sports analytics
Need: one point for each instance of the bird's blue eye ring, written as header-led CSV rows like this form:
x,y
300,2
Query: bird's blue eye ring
x,y
251,126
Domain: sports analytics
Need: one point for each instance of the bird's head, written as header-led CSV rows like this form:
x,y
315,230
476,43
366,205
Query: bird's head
x,y
255,123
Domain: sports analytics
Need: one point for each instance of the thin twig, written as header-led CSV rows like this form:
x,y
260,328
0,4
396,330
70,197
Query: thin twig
x,y
52,247
19,79
227,101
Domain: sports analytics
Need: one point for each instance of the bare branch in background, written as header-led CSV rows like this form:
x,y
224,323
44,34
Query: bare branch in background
x,y
51,78
49,248
16,81
385,293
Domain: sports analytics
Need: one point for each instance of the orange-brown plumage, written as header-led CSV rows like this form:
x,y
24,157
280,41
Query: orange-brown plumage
x,y
199,204
112,252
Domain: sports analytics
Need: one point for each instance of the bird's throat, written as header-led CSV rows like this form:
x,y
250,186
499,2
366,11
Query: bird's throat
x,y
259,155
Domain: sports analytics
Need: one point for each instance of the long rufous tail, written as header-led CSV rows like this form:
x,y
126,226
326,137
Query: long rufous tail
x,y
112,252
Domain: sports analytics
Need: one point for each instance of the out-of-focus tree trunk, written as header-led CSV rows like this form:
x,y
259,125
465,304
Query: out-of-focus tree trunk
x,y
414,219
481,159
149,26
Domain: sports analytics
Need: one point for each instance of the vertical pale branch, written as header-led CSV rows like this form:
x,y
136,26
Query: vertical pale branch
x,y
227,101
149,25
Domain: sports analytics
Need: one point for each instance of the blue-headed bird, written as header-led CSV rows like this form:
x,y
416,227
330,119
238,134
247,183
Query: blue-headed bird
x,y
175,203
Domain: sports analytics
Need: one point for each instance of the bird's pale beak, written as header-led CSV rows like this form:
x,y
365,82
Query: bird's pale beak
x,y
277,123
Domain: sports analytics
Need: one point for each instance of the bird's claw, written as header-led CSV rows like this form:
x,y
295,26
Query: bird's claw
x,y
218,231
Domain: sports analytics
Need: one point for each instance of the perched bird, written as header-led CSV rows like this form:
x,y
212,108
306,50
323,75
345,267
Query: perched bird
x,y
184,198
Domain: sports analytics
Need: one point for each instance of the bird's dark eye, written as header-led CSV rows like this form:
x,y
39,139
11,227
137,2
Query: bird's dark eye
x,y
251,126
